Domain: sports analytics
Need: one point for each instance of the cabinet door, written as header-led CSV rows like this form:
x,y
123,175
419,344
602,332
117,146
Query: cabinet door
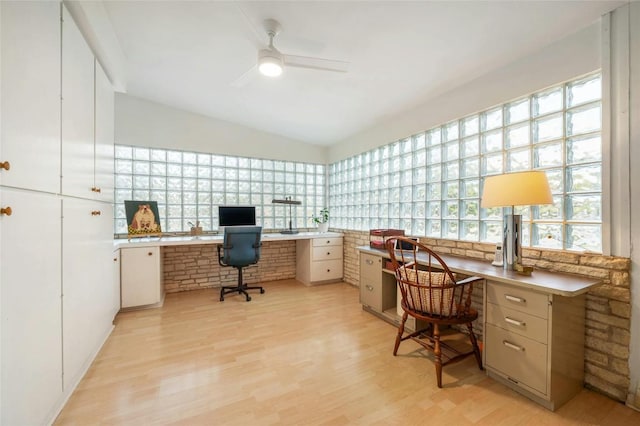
x,y
140,278
30,306
77,111
87,284
104,138
30,88
116,282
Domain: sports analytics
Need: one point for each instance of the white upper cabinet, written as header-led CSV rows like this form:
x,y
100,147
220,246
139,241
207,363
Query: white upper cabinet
x,y
104,136
30,85
77,111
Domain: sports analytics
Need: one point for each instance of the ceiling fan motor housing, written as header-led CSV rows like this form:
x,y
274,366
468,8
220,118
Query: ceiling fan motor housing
x,y
270,62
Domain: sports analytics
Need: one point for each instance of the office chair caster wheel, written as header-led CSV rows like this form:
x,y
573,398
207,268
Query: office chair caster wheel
x,y
262,291
248,298
221,299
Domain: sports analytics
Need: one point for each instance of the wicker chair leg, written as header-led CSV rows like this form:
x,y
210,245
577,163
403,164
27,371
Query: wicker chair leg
x,y
474,343
438,353
400,332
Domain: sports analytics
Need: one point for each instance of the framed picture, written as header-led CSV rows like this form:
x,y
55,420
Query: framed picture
x,y
142,218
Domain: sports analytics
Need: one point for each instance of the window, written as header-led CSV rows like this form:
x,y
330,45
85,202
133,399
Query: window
x,y
430,184
189,186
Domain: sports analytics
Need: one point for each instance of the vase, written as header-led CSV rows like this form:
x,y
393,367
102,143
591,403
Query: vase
x,y
323,227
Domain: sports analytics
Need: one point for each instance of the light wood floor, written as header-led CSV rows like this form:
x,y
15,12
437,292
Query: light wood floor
x,y
295,355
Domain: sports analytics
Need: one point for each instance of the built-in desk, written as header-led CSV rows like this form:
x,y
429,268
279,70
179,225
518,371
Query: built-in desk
x,y
533,325
318,260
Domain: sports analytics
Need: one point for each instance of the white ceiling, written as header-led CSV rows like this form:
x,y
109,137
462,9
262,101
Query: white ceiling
x,y
188,54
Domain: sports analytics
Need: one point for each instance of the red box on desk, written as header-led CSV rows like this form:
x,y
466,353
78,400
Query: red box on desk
x,y
378,237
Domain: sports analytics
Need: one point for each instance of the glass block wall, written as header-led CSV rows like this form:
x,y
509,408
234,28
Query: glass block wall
x,y
430,184
189,187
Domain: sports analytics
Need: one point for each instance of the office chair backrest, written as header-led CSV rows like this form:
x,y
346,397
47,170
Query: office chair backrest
x,y
242,245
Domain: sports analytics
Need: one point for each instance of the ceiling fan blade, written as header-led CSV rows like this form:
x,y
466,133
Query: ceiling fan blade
x,y
257,38
246,78
315,63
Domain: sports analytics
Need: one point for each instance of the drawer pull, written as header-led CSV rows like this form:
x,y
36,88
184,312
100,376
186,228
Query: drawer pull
x,y
96,213
328,253
328,241
515,322
514,299
369,287
6,210
5,165
369,262
328,270
512,346
96,189
150,253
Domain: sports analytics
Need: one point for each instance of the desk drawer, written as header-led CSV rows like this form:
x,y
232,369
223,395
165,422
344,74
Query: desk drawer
x,y
518,322
371,293
370,267
326,270
327,253
335,241
520,299
522,360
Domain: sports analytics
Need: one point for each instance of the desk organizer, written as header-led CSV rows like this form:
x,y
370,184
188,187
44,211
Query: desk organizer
x,y
378,237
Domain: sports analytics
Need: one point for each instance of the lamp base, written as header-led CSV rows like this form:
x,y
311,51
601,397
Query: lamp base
x,y
289,231
512,248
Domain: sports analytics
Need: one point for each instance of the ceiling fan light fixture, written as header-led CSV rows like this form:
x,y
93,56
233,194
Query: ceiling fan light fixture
x,y
270,63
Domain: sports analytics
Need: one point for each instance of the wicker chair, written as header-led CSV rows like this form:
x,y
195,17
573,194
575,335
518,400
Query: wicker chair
x,y
431,295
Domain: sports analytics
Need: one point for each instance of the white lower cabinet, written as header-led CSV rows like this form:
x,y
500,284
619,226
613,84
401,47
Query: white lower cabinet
x,y
319,260
31,307
141,277
88,296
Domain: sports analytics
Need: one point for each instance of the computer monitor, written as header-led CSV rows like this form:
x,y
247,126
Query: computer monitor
x,y
236,215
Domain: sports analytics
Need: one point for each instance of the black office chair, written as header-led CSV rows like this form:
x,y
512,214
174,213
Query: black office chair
x,y
241,248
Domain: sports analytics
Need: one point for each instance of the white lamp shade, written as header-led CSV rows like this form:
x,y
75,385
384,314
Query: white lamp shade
x,y
270,63
516,189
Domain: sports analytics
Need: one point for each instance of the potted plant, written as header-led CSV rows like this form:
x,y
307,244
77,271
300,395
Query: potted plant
x,y
322,220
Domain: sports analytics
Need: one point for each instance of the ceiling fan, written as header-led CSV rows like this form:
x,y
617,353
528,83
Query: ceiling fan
x,y
271,62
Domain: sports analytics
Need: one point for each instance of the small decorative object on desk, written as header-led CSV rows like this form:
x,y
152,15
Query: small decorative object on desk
x,y
378,237
322,220
195,229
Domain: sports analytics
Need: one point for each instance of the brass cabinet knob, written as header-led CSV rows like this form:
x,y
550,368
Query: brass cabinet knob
x,y
96,213
6,210
5,165
96,189
150,253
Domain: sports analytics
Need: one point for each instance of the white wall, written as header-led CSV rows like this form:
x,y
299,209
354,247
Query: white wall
x,y
572,56
144,123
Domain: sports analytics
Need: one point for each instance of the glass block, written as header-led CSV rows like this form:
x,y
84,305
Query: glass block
x,y
452,150
492,164
451,209
584,149
491,119
244,199
470,125
140,194
418,227
517,136
141,167
124,166
158,155
419,175
470,147
452,170
405,146
491,231
174,225
204,159
434,173
549,211
434,155
433,209
450,229
141,153
548,155
494,213
231,198
547,102
419,142
174,156
518,160
470,188
232,162
256,200
434,228
123,152
174,183
231,174
189,184
434,191
395,165
585,178
204,172
548,235
174,197
584,207
123,194
204,185
267,176
141,182
244,163
405,210
451,190
434,137
244,174
517,111
470,167
204,198
451,131
584,237
406,161
584,119
119,211
159,196
556,180
158,169
582,91
124,182
174,170
470,230
492,141
189,171
190,212
217,198
394,195
121,226
189,158
419,210
470,209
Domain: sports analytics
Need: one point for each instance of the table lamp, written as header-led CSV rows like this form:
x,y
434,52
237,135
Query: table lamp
x,y
289,202
510,190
